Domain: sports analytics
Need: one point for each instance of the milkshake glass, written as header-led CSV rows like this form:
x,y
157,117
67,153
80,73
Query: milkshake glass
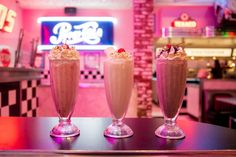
x,y
64,65
171,68
118,76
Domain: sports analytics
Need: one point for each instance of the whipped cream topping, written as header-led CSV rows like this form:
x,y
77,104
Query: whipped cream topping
x,y
117,54
64,52
171,52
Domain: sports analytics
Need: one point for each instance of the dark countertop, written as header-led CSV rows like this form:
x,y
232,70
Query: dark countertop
x,y
31,136
18,74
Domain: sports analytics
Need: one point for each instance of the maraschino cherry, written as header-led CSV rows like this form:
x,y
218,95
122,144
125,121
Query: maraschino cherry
x,y
121,50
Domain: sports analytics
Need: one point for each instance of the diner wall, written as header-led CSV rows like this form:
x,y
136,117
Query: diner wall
x,y
204,16
27,19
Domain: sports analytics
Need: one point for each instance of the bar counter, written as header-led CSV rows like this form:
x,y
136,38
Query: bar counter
x,y
18,91
23,136
19,74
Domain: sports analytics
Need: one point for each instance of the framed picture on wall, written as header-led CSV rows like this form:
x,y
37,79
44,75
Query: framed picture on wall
x,y
39,60
92,60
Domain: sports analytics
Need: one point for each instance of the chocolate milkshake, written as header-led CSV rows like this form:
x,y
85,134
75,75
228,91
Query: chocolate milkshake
x,y
65,74
171,68
171,78
64,77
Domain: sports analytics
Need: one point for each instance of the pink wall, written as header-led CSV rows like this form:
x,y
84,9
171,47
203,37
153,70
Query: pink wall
x,y
11,39
204,15
123,30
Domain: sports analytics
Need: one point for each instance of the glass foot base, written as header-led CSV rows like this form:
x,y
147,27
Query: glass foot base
x,y
65,130
169,132
118,131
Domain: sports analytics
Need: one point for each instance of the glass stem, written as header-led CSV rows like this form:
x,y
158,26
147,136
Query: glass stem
x,y
64,120
170,122
117,122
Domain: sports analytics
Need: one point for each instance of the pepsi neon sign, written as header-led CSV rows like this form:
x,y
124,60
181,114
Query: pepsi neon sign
x,y
84,33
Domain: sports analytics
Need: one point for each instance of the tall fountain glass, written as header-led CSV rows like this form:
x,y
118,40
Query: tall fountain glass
x,y
118,76
64,77
171,83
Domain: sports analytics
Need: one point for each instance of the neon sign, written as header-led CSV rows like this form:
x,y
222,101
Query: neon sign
x,y
84,33
184,21
88,32
7,18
